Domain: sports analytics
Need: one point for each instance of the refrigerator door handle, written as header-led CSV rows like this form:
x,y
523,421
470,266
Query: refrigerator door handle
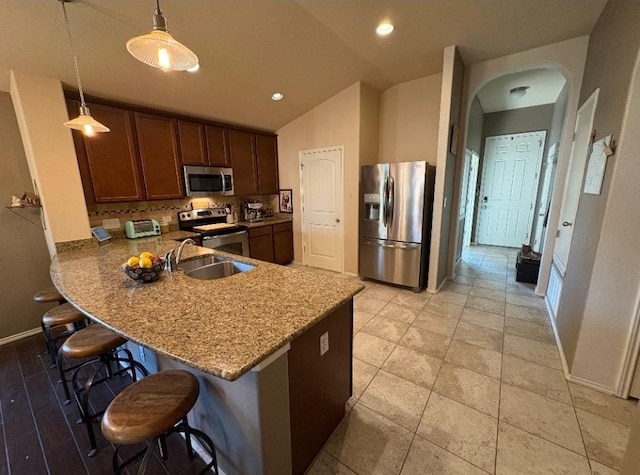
x,y
390,200
385,197
395,245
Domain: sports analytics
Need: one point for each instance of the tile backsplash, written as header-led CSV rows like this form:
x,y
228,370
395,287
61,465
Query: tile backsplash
x,y
166,211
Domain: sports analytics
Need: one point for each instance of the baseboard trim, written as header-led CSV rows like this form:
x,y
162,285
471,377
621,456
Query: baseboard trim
x,y
556,335
19,336
565,367
592,385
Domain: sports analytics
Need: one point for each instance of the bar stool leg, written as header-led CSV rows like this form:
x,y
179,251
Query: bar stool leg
x,y
63,378
147,457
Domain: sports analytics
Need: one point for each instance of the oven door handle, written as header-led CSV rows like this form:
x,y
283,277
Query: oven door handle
x,y
207,238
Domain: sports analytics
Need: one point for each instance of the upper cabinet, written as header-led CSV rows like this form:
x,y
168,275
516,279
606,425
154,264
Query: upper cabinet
x,y
158,143
142,157
255,163
109,162
267,160
193,147
243,153
218,146
203,144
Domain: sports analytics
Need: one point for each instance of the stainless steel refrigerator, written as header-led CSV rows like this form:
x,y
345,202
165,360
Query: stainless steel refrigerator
x,y
396,202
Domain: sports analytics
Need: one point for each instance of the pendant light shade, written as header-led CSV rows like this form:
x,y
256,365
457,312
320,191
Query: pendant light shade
x,y
161,50
84,122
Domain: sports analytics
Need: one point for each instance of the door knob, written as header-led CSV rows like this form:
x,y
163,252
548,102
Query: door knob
x,y
567,223
337,220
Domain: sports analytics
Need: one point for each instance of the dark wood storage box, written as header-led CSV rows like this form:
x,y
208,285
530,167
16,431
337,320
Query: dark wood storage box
x,y
527,269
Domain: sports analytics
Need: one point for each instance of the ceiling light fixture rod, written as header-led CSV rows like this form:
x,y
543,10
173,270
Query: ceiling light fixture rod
x,y
84,122
73,52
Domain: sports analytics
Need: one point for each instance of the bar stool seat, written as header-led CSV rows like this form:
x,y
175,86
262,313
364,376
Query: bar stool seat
x,y
151,409
91,341
93,345
49,294
64,314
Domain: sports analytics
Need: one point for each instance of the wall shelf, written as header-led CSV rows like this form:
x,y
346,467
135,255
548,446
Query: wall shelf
x,y
14,209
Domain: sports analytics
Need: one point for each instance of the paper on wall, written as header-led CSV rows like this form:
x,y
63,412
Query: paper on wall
x,y
596,167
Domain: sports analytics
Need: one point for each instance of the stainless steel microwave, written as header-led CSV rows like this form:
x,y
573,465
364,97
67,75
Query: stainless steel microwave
x,y
206,181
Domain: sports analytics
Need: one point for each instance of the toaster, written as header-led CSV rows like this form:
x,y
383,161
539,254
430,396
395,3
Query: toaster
x,y
141,228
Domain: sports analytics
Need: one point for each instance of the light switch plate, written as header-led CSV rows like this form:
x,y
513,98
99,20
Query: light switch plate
x,y
324,343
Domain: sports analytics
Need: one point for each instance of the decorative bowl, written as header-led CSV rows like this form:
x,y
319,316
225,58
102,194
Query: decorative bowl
x,y
144,274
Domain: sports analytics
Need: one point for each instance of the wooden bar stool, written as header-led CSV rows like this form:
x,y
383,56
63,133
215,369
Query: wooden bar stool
x,y
50,294
100,345
152,409
55,318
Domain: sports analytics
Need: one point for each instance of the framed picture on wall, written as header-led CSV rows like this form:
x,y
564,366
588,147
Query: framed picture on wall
x,y
286,201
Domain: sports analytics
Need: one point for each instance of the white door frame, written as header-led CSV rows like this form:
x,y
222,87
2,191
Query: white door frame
x,y
536,178
471,198
303,230
592,101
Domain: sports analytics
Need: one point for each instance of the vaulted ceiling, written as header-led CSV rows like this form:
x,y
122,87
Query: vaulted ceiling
x,y
248,49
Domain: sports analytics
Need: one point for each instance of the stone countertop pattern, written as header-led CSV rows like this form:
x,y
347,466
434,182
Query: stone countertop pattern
x,y
266,222
223,327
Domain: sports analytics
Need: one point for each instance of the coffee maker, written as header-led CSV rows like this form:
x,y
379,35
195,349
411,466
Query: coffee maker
x,y
253,210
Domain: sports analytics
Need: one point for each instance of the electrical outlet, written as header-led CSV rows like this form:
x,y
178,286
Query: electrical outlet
x,y
112,223
166,218
324,343
143,356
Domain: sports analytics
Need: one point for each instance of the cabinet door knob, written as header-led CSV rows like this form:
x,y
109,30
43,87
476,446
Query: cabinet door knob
x,y
337,220
567,223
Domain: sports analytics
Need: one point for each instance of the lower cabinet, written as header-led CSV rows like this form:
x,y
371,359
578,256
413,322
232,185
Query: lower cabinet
x,y
272,243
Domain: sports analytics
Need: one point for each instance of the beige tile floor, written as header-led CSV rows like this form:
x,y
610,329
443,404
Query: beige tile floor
x,y
468,381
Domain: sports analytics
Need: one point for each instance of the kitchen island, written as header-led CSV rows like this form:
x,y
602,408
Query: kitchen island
x,y
253,339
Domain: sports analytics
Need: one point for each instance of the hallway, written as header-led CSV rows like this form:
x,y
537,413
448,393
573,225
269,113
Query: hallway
x,y
469,381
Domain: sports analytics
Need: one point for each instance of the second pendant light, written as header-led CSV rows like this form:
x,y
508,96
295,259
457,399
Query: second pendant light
x,y
161,50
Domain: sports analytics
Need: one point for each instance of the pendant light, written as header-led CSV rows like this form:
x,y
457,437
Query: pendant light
x,y
84,121
161,50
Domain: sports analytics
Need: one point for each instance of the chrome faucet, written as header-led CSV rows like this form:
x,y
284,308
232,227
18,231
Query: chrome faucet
x,y
172,258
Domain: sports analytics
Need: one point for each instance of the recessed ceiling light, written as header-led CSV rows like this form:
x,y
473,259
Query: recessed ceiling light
x,y
518,92
385,29
194,69
277,96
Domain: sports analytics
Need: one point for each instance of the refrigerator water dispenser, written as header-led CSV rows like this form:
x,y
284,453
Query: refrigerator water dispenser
x,y
372,206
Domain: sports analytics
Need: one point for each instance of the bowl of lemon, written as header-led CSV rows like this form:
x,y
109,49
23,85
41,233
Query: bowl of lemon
x,y
147,267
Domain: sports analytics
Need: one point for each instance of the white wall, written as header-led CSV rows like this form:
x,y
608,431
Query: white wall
x,y
41,111
334,122
409,117
569,58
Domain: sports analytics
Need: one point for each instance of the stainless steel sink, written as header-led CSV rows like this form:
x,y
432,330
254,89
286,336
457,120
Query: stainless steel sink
x,y
192,264
218,270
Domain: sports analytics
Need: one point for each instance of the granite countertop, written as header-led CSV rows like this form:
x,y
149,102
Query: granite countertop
x,y
266,222
223,327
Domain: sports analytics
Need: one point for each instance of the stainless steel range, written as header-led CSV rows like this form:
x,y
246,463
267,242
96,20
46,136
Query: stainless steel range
x,y
216,233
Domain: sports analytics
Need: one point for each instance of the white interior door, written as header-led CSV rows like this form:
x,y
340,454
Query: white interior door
x,y
573,183
321,190
509,188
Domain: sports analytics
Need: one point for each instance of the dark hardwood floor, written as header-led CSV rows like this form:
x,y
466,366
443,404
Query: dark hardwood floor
x,y
39,434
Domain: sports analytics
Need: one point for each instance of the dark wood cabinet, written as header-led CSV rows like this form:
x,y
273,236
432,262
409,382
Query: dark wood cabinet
x,y
109,162
242,151
142,157
267,164
193,147
261,243
283,243
218,146
319,384
157,141
272,243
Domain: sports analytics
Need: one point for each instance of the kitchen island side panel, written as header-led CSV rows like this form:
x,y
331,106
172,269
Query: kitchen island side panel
x,y
247,419
319,385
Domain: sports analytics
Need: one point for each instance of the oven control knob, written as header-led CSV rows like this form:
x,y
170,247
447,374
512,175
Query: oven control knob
x,y
188,215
